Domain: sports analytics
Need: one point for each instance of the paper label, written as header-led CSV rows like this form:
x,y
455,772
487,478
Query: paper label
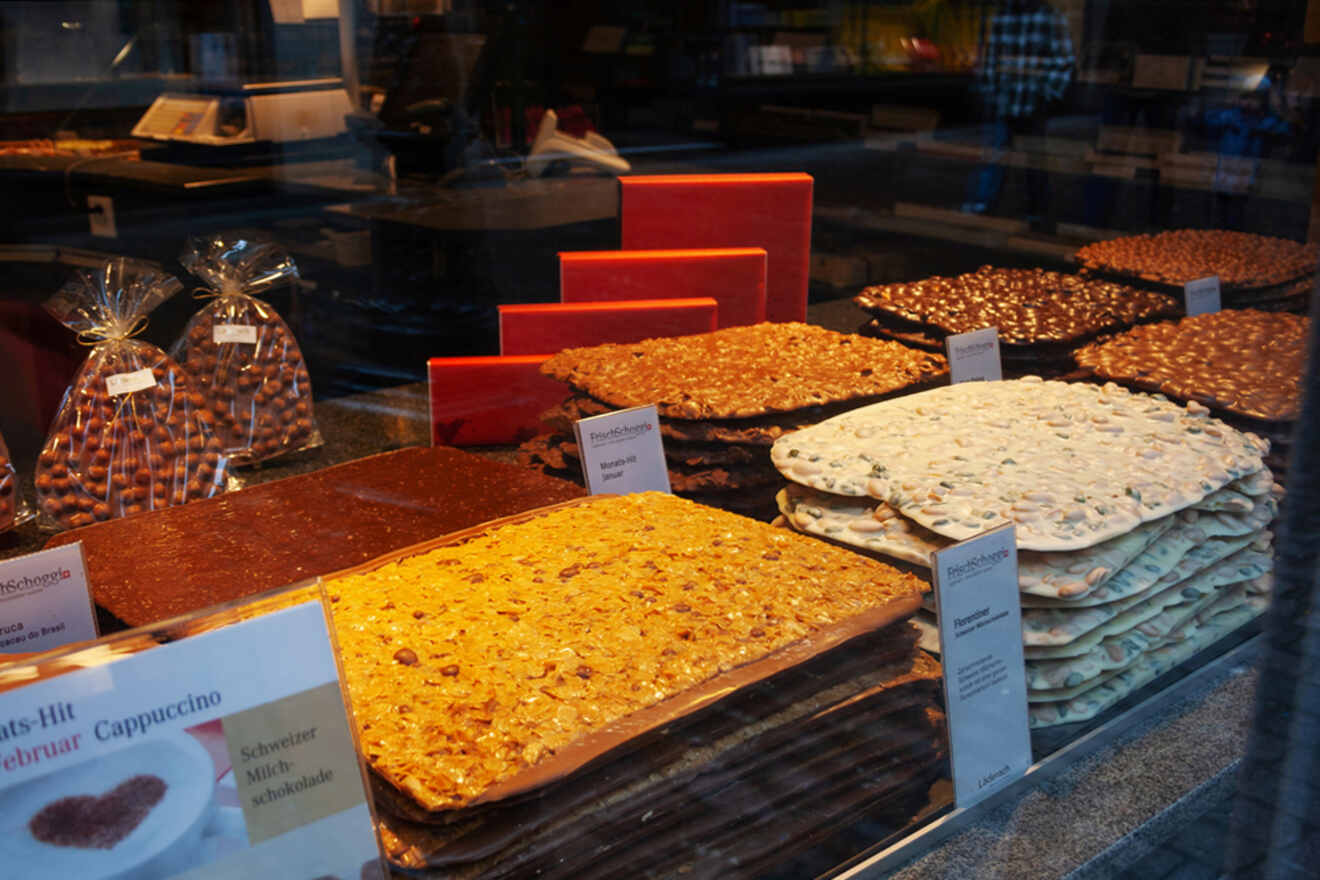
x,y
44,601
126,383
985,683
233,747
974,356
241,333
622,452
1201,296
101,216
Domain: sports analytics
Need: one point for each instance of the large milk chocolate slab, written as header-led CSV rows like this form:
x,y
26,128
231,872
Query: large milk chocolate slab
x,y
161,564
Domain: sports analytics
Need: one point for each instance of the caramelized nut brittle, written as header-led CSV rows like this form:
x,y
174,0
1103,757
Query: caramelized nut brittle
x,y
537,633
739,372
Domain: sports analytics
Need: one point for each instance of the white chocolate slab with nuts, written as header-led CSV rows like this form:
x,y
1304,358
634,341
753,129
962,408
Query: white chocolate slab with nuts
x,y
875,526
1071,465
1210,625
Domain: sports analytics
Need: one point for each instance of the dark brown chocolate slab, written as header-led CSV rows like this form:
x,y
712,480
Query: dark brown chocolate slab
x,y
753,431
1049,353
1243,261
169,562
682,457
686,767
1031,307
747,471
1244,362
752,815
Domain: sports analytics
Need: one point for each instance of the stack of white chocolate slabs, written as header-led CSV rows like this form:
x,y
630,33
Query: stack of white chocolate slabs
x,y
1142,525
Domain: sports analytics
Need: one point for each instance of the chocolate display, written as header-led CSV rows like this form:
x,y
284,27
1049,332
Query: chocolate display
x,y
743,372
747,781
704,475
1070,464
131,434
725,397
677,593
1030,307
241,354
1240,259
750,432
663,651
239,544
1241,362
1116,553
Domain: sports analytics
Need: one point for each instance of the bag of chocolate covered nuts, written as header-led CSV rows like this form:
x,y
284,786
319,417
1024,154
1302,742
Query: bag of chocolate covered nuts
x,y
242,355
131,435
13,509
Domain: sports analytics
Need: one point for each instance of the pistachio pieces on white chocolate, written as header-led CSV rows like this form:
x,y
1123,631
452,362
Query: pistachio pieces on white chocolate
x,y
1150,666
1048,578
1070,464
858,522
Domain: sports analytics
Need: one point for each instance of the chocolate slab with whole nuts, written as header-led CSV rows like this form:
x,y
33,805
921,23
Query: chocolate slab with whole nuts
x,y
1030,307
1240,259
1241,361
741,372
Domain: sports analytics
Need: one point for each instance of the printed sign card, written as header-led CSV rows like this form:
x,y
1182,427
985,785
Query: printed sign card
x,y
622,452
974,356
45,601
227,753
1201,296
985,683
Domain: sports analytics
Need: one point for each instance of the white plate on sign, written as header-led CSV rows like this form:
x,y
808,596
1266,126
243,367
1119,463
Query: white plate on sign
x,y
164,843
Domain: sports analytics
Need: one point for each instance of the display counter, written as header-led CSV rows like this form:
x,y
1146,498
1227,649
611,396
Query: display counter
x,y
1099,796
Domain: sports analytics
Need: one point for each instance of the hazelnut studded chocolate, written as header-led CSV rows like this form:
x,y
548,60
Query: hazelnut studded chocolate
x,y
1028,306
1177,256
258,392
113,452
1241,361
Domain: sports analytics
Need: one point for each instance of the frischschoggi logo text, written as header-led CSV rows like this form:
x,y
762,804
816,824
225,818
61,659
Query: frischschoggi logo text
x,y
973,564
619,432
34,582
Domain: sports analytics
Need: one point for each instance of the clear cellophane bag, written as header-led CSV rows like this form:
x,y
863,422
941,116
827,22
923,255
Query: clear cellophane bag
x,y
131,434
13,509
242,355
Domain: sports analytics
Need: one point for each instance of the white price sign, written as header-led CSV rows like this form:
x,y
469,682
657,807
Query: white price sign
x,y
622,452
1201,296
985,683
974,356
45,601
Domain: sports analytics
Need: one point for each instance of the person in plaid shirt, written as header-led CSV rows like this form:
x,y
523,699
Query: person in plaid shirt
x,y
1025,65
